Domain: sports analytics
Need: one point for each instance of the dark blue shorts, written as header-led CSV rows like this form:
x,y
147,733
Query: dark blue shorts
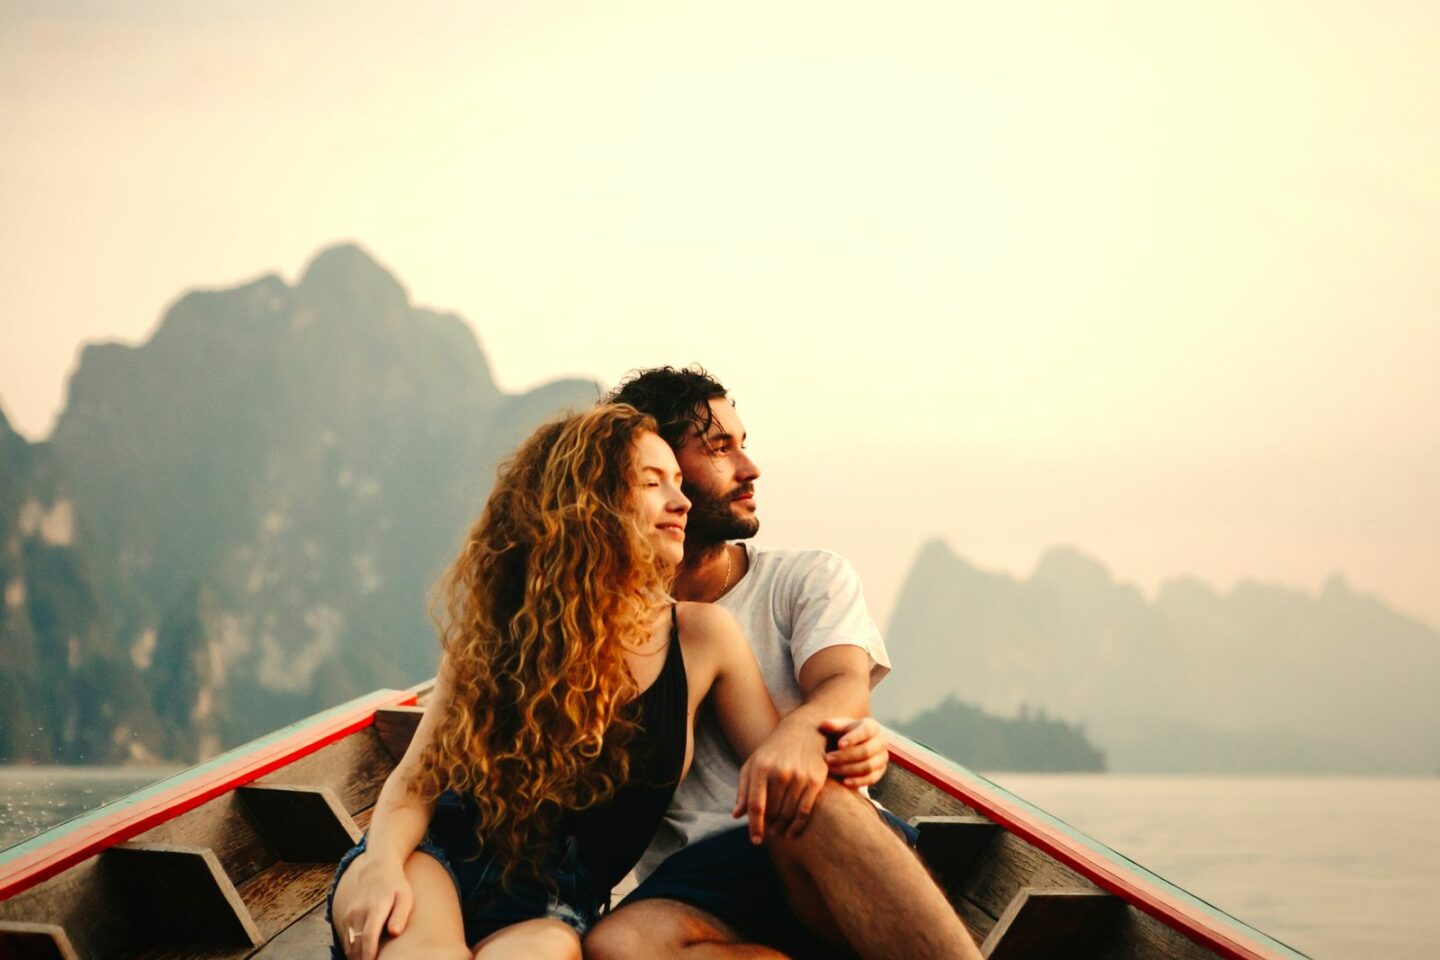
x,y
735,881
486,906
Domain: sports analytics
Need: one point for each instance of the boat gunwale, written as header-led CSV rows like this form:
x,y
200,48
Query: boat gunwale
x,y
1229,937
42,857
33,861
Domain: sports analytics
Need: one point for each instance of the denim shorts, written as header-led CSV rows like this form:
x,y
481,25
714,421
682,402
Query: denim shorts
x,y
565,892
735,881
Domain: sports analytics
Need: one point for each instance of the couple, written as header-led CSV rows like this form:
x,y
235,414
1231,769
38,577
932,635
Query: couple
x,y
547,761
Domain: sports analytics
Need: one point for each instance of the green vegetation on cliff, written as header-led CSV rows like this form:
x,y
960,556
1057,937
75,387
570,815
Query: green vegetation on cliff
x,y
1026,742
236,522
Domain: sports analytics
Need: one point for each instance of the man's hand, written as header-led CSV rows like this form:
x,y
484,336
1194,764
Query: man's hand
x,y
862,753
782,779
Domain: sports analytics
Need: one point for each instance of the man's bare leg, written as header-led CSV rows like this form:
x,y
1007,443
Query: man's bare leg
x,y
668,928
849,874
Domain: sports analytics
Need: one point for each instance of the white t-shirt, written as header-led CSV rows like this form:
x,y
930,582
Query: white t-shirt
x,y
791,605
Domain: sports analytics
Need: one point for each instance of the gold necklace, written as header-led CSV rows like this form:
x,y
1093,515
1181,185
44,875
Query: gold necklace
x,y
729,565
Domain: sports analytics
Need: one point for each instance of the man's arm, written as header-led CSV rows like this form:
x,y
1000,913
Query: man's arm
x,y
835,683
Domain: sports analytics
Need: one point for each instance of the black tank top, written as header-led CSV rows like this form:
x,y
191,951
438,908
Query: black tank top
x,y
614,835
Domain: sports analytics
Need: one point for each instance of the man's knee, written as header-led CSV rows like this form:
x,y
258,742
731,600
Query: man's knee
x,y
655,927
649,927
614,938
840,817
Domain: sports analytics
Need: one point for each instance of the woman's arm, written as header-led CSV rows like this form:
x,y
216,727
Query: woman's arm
x,y
743,707
380,891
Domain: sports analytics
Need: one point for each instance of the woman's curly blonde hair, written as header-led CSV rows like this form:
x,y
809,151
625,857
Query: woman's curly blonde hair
x,y
555,579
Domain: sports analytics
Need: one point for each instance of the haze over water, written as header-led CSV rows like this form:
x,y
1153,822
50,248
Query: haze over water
x,y
1338,868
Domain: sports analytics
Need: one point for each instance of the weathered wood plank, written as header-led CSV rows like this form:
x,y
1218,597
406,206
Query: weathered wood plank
x,y
225,826
1045,924
88,901
950,845
354,767
182,894
303,824
1142,937
306,939
34,941
191,951
396,728
906,795
977,921
286,892
1008,866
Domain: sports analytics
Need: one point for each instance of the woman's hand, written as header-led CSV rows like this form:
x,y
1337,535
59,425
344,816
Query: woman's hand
x,y
862,753
381,893
781,780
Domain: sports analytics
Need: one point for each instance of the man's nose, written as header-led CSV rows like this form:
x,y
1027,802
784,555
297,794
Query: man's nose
x,y
747,469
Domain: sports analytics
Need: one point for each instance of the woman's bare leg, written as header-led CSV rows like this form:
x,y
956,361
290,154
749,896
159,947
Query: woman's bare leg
x,y
543,939
435,931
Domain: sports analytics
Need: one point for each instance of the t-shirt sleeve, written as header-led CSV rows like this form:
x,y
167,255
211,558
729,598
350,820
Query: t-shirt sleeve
x,y
829,610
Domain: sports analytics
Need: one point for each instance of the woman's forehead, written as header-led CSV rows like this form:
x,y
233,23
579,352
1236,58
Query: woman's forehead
x,y
652,453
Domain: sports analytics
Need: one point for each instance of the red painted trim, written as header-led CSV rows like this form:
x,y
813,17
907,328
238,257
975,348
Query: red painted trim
x,y
64,852
1174,913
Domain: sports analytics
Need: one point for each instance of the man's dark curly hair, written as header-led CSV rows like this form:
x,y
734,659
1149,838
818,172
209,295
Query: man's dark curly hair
x,y
678,399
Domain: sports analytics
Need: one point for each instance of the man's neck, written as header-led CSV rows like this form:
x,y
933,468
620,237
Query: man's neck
x,y
702,573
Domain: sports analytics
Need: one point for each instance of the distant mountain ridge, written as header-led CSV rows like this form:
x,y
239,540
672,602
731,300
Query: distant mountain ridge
x,y
1264,679
237,521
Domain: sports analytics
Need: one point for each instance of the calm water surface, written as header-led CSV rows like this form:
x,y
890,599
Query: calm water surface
x,y
33,799
1336,867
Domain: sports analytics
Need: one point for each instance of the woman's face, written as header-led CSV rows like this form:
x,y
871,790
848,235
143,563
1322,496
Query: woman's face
x,y
657,500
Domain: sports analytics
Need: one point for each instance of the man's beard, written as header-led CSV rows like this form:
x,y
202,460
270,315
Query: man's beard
x,y
711,519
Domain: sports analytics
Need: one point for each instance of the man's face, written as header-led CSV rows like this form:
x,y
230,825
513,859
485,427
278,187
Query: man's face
x,y
719,479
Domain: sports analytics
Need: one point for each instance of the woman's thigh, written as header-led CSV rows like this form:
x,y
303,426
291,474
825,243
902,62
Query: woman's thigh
x,y
435,928
542,939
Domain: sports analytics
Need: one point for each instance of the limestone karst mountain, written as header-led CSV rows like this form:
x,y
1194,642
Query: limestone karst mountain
x,y
1262,679
237,521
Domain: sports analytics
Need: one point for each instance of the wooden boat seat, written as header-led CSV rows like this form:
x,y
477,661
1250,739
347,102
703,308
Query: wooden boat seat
x,y
303,824
181,894
949,845
396,727
34,941
1043,924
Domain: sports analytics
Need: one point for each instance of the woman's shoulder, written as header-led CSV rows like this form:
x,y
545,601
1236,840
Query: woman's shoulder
x,y
706,624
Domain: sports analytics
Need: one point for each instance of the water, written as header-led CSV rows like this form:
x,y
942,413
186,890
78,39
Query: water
x,y
33,799
1336,867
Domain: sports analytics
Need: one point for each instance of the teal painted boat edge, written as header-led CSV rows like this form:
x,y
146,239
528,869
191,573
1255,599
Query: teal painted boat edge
x,y
189,787
1118,862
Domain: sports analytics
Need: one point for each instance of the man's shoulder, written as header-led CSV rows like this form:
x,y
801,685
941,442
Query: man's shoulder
x,y
796,557
802,561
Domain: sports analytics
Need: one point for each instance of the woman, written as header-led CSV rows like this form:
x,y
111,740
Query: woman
x,y
561,717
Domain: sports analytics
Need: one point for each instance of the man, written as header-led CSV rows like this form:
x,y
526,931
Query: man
x,y
833,871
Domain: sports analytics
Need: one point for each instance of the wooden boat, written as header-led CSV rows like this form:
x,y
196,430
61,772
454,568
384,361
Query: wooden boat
x,y
233,859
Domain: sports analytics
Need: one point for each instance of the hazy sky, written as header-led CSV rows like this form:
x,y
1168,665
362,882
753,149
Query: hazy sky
x,y
1161,282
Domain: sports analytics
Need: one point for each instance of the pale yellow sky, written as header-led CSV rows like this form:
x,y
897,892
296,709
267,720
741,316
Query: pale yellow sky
x,y
1158,282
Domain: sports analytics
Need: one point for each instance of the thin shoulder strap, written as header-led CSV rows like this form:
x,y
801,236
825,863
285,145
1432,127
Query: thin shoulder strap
x,y
674,624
